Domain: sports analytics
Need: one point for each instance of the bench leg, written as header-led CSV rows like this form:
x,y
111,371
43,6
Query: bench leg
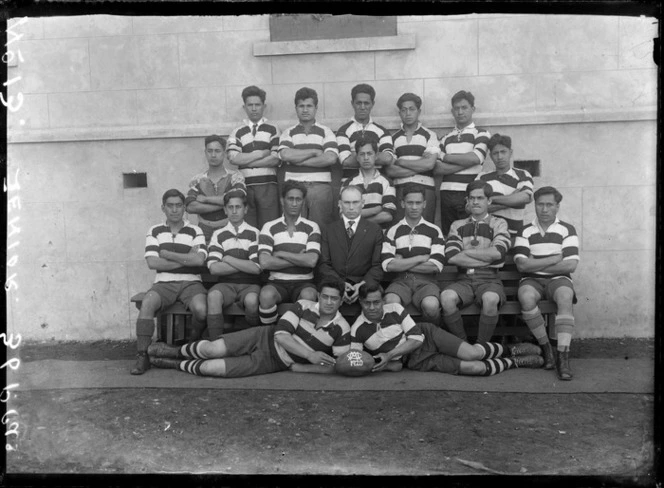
x,y
169,328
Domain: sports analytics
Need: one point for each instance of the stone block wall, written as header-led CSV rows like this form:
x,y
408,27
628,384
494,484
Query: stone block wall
x,y
105,95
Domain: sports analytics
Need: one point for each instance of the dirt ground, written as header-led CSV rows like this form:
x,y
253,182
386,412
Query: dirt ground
x,y
237,432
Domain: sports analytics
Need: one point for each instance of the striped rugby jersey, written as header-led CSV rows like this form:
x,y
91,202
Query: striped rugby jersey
x,y
319,137
422,141
507,183
231,181
241,140
559,238
424,238
332,338
377,193
190,237
395,328
241,244
351,131
306,238
491,231
461,141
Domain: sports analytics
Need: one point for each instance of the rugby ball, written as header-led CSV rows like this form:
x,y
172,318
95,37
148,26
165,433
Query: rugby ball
x,y
354,363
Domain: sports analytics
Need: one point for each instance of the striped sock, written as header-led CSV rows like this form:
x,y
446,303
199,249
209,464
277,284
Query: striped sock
x,y
491,349
192,366
193,350
564,331
497,365
268,316
535,322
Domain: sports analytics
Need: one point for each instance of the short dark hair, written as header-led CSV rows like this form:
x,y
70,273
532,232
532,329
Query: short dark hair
x,y
412,188
293,185
463,95
364,140
363,88
497,139
332,283
215,138
370,287
253,91
548,190
479,185
306,92
173,192
409,97
235,194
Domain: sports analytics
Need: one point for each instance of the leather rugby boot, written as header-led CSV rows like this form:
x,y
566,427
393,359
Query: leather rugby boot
x,y
564,371
168,363
163,350
530,361
142,364
524,349
549,357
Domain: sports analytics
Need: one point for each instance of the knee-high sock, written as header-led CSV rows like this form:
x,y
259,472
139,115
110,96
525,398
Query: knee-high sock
x,y
564,331
253,319
197,328
192,366
268,316
144,331
454,323
535,322
215,326
486,327
491,349
497,365
193,350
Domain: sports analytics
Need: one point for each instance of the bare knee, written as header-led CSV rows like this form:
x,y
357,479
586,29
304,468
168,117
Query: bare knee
x,y
268,297
430,305
470,352
528,299
198,307
564,298
472,368
449,300
392,298
490,303
309,294
214,367
150,304
215,302
251,302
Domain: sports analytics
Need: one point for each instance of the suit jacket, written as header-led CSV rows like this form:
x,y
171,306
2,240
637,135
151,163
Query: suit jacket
x,y
359,261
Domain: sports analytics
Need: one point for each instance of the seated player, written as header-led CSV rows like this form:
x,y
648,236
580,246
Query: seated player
x,y
289,248
307,339
391,336
380,203
350,250
206,190
175,250
416,149
252,147
362,97
414,250
512,188
477,246
233,256
546,252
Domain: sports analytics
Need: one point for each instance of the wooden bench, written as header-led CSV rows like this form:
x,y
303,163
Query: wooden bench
x,y
173,323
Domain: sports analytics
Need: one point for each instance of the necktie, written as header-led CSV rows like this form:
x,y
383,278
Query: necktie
x,y
349,230
253,129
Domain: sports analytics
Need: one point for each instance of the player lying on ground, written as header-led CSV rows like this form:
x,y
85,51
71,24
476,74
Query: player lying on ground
x,y
393,338
306,339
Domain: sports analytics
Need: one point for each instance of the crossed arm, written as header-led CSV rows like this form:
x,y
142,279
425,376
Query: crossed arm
x,y
408,167
551,264
260,158
417,264
454,163
170,260
515,200
230,265
283,259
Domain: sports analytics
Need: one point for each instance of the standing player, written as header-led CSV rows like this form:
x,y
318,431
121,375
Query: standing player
x,y
379,199
416,149
288,248
309,151
362,97
207,189
477,246
414,249
233,256
175,250
391,336
307,339
512,188
252,147
462,153
546,252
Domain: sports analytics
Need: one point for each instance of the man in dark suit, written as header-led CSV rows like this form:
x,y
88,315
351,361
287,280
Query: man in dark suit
x,y
351,246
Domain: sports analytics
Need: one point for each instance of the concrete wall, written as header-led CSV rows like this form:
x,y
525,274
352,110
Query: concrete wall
x,y
104,95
